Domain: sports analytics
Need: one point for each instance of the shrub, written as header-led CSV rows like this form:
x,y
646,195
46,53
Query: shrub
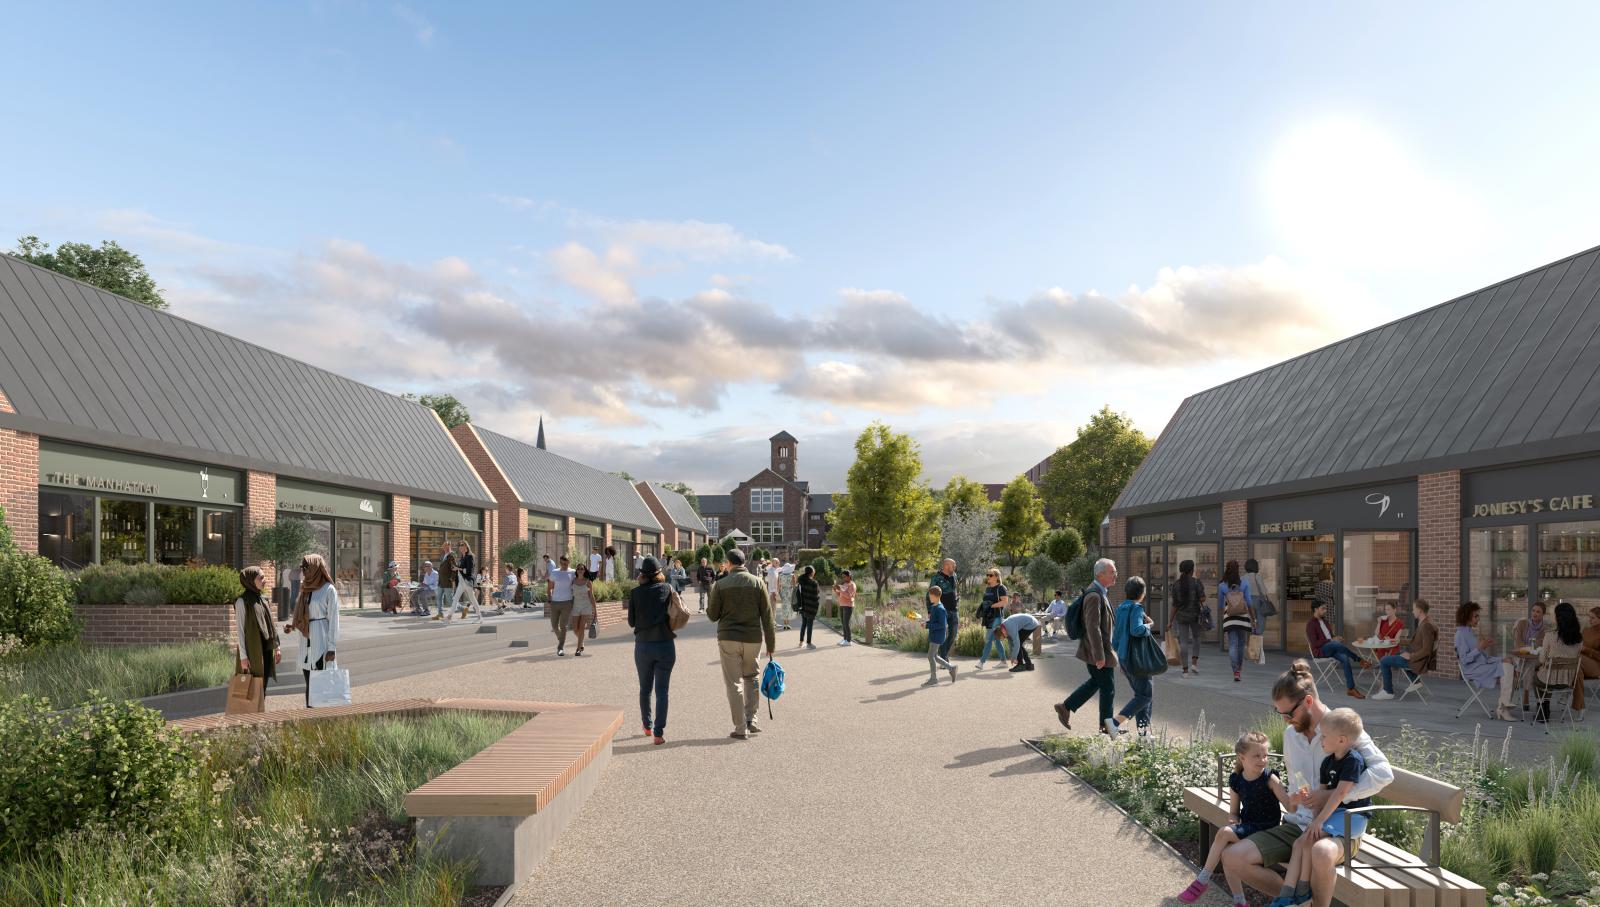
x,y
521,553
113,764
912,639
1061,545
609,591
145,595
969,641
827,571
1543,840
1044,574
1080,571
35,600
104,584
200,585
7,546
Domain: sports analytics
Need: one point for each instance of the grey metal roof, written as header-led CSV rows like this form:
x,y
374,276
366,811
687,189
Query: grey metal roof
x,y
547,481
1505,374
683,516
821,503
716,504
85,365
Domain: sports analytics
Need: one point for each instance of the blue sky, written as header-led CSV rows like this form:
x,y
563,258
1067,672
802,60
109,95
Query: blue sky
x,y
676,229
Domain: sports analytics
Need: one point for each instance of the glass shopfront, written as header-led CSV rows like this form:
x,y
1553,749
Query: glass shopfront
x,y
622,539
104,506
649,544
548,535
1158,544
433,526
587,540
351,531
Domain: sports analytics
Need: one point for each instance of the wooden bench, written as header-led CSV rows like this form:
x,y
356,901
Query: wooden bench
x,y
505,806
1381,874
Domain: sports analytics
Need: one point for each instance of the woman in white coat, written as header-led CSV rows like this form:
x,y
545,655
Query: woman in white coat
x,y
316,617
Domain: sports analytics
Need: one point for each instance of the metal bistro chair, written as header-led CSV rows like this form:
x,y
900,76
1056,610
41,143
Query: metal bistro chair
x,y
1560,677
1473,692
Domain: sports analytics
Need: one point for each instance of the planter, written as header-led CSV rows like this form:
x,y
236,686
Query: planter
x,y
138,625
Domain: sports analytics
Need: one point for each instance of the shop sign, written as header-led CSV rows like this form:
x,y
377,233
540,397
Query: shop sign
x,y
445,516
1149,537
88,469
328,500
538,522
1291,526
1183,525
1534,506
1368,507
1541,491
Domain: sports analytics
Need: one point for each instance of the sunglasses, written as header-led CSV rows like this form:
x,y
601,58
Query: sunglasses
x,y
1286,716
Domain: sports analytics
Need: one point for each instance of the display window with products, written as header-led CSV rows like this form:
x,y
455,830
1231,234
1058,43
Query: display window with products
x,y
1497,575
1569,564
351,531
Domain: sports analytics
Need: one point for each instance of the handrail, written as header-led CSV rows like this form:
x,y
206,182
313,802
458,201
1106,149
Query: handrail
x,y
1430,841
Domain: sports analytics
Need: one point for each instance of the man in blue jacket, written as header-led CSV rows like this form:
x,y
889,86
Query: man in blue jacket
x,y
945,579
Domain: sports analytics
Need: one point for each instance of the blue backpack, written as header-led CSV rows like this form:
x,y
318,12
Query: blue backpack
x,y
772,683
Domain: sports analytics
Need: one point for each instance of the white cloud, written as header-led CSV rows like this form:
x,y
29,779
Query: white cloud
x,y
1342,190
163,235
522,202
421,28
691,239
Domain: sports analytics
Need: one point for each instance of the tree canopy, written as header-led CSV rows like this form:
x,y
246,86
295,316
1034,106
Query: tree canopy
x,y
967,537
452,412
109,267
1085,477
961,493
887,516
1021,519
1061,545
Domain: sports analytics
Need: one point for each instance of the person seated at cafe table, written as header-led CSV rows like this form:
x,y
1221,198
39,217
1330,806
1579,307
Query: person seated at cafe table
x,y
1562,641
1326,645
1390,626
1478,667
1589,661
1421,655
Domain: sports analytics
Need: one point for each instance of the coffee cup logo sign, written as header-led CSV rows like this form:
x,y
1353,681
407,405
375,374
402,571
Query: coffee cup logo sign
x,y
205,483
1558,504
366,506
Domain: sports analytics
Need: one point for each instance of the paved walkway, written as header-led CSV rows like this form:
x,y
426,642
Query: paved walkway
x,y
865,789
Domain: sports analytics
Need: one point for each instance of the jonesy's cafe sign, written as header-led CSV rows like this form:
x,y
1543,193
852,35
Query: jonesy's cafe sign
x,y
1535,505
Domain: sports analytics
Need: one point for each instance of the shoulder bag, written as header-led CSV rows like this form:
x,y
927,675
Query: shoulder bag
x,y
1145,656
677,614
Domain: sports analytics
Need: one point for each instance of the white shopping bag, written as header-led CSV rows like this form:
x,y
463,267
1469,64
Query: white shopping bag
x,y
330,686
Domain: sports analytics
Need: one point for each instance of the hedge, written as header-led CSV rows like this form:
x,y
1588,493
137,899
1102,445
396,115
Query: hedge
x,y
145,584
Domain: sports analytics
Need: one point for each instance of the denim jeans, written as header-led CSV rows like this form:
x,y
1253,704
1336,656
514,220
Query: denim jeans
x,y
1388,663
1144,694
991,640
1341,653
1237,637
951,624
654,661
1102,681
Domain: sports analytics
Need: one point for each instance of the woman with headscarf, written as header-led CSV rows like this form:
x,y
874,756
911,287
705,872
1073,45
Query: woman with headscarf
x,y
316,617
257,636
654,652
807,600
582,605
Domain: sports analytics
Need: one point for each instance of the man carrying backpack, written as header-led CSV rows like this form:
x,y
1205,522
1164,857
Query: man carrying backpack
x,y
743,614
1094,648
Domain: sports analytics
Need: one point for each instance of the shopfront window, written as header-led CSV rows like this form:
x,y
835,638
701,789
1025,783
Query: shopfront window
x,y
1497,576
66,529
124,532
1207,571
1269,558
374,561
219,537
1305,558
1569,565
346,564
428,544
1156,596
174,533
1377,573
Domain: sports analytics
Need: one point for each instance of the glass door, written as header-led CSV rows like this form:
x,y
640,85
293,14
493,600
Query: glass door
x,y
1377,573
374,560
346,564
1269,557
1306,559
1209,572
1155,601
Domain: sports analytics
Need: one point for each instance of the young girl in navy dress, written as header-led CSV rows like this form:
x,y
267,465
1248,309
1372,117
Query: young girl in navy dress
x,y
1257,793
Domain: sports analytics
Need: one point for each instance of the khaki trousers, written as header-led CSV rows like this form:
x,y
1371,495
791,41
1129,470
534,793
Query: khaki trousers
x,y
739,676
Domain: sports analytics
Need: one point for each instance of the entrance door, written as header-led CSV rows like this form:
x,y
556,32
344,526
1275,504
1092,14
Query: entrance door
x,y
346,564
1376,572
1305,560
374,560
1269,557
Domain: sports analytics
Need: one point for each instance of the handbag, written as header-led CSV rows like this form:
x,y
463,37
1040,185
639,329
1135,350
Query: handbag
x,y
1255,648
677,614
1264,606
1170,645
1205,617
246,694
1145,657
329,686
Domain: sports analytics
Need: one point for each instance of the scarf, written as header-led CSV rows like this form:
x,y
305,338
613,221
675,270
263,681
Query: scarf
x,y
302,609
258,607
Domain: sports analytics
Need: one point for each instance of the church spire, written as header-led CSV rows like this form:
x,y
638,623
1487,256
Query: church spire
x,y
540,442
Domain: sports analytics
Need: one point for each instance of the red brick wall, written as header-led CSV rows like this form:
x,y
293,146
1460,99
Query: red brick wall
x,y
669,529
508,521
1235,526
129,625
260,509
1119,531
1439,556
19,485
400,532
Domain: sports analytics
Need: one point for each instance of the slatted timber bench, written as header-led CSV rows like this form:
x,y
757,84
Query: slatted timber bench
x,y
1380,874
505,806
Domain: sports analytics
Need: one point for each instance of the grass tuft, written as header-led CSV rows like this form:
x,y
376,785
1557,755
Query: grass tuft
x,y
65,674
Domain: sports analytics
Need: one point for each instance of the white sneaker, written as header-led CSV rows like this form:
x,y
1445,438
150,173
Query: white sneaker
x,y
1112,730
1194,670
1416,685
1381,695
842,642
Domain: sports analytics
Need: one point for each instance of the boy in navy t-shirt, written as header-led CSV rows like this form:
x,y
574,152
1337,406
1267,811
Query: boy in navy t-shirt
x,y
936,634
1341,769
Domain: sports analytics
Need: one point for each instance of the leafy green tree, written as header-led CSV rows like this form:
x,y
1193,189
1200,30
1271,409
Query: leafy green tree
x,y
967,537
1061,545
1086,476
687,492
282,542
110,267
1044,574
452,412
520,553
887,516
704,552
961,493
624,474
7,546
1080,572
1021,519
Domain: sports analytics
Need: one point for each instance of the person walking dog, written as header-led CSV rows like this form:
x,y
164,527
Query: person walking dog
x,y
1095,650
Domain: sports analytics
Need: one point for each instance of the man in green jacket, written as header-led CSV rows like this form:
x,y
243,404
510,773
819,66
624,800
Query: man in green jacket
x,y
743,615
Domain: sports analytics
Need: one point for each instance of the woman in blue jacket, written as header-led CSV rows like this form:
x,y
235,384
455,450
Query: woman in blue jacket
x,y
1130,621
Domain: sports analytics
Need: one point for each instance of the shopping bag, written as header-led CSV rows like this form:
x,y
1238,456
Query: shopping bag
x,y
1171,647
1254,649
1145,658
246,694
329,686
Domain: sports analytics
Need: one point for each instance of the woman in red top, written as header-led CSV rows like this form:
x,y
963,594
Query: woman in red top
x,y
1390,627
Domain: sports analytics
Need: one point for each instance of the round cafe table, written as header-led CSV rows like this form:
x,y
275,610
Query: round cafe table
x,y
1368,650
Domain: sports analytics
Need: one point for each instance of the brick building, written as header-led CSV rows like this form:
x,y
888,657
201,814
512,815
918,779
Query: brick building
x,y
1452,455
774,507
681,528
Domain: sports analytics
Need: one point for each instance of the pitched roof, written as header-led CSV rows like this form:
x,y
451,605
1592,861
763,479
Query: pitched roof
x,y
547,481
716,504
821,503
677,506
783,436
81,364
1508,373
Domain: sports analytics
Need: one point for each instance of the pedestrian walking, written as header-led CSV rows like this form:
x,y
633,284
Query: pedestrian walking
x,y
704,577
583,611
257,634
447,583
654,652
523,590
742,611
937,626
558,594
808,601
316,618
780,604
611,566
426,594
1015,630
1261,602
950,597
991,610
1238,615
844,592
677,577
1130,622
466,583
595,563
1188,597
1095,650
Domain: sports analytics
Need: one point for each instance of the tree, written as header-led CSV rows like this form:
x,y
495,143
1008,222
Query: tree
x,y
452,412
520,553
961,493
1085,477
624,474
7,546
704,552
1080,572
1061,545
1044,574
1021,519
281,543
887,515
687,492
968,537
110,267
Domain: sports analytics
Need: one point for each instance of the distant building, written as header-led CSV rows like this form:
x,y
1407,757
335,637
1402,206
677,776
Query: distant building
x,y
774,507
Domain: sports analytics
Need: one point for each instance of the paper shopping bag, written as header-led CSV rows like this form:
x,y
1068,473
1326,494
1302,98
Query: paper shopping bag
x,y
1254,649
1171,647
330,686
246,694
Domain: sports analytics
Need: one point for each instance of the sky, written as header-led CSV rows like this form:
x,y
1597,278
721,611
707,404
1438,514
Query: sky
x,y
673,230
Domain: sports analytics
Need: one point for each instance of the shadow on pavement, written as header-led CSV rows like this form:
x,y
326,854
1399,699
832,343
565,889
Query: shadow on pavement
x,y
993,754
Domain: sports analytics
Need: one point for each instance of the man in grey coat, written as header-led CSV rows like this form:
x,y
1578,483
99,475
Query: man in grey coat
x,y
1095,650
